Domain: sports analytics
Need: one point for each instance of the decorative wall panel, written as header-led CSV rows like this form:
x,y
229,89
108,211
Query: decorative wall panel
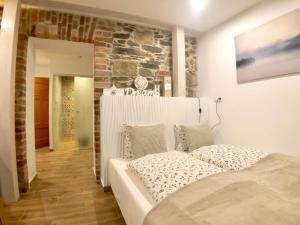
x,y
68,108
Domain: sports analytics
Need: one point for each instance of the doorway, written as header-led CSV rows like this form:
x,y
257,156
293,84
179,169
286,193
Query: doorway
x,y
59,99
73,111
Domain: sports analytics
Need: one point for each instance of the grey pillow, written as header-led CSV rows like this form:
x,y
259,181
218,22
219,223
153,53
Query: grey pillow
x,y
147,140
197,136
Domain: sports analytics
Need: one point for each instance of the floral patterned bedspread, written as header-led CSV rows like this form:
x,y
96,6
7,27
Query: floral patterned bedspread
x,y
228,157
165,173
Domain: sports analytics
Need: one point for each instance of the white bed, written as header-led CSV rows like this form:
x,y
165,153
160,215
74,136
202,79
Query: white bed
x,y
133,198
131,195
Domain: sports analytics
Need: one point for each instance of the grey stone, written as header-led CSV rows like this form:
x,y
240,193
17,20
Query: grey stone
x,y
121,41
128,51
124,69
128,29
165,43
122,82
145,72
152,49
193,41
143,37
158,36
150,65
131,43
121,35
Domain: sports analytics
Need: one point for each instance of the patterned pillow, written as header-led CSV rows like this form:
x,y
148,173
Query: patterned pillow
x,y
180,142
165,173
126,150
228,157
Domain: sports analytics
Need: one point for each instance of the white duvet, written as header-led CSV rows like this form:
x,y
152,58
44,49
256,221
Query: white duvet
x,y
165,173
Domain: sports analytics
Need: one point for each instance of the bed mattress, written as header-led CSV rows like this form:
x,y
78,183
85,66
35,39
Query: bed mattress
x,y
132,197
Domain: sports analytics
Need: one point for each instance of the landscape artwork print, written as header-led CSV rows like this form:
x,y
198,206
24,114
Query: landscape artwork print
x,y
270,50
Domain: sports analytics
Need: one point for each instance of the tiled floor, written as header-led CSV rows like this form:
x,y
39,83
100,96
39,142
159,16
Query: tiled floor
x,y
64,193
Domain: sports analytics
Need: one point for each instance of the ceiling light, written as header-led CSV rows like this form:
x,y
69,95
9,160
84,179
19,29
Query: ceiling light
x,y
198,5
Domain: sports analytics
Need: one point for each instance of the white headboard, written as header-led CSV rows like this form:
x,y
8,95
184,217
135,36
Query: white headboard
x,y
116,111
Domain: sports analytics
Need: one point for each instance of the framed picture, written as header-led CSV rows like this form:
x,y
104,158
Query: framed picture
x,y
270,50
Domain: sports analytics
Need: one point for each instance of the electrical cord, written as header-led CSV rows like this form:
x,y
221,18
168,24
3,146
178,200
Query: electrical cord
x,y
218,115
200,110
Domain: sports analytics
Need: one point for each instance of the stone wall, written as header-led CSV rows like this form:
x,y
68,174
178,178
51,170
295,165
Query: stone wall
x,y
122,51
191,66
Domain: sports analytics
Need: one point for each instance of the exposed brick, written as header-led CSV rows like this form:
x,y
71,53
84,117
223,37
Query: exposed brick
x,y
102,49
100,54
104,39
113,42
100,67
101,61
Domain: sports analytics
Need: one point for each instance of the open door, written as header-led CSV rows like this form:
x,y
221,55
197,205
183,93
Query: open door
x,y
41,112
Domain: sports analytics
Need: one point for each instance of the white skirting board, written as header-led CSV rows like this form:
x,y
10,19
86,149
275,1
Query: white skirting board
x,y
116,111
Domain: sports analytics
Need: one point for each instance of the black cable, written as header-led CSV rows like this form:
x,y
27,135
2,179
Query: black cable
x,y
200,110
220,120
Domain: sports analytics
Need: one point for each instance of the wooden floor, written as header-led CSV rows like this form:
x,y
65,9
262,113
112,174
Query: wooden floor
x,y
64,193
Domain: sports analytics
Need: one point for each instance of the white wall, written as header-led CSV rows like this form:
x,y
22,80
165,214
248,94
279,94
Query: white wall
x,y
62,64
30,132
8,50
56,109
263,114
42,70
178,54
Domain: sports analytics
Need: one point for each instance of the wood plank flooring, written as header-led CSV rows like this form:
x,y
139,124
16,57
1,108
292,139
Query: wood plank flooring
x,y
64,193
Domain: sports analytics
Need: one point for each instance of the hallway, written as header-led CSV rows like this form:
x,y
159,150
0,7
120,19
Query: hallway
x,y
64,193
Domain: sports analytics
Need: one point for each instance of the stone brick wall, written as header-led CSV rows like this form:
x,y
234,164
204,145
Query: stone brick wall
x,y
122,51
191,66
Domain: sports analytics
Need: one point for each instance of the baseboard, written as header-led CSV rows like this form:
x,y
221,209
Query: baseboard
x,y
32,178
107,189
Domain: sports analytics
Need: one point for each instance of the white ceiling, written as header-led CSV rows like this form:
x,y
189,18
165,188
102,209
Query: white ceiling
x,y
62,57
157,12
63,47
48,50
